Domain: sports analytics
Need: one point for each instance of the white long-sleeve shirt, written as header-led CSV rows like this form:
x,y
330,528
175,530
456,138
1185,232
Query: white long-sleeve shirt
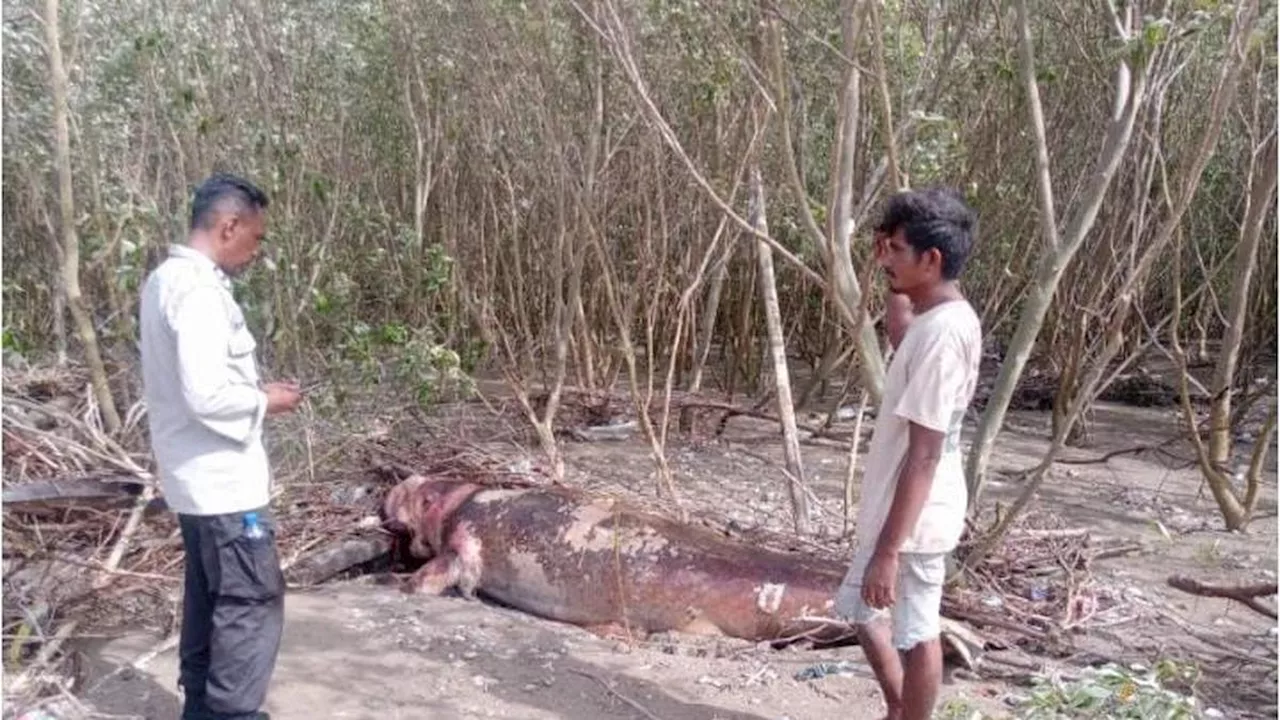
x,y
204,405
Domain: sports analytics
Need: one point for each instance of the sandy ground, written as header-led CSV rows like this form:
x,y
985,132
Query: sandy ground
x,y
358,650
362,650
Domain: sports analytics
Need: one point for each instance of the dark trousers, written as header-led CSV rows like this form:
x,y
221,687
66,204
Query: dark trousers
x,y
232,616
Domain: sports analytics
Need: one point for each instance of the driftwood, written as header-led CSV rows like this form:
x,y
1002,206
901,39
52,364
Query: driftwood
x,y
336,557
1245,594
967,645
115,488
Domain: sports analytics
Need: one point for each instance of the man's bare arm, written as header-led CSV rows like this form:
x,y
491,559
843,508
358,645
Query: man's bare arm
x,y
924,447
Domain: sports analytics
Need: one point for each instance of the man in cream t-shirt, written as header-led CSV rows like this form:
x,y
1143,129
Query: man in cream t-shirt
x,y
913,489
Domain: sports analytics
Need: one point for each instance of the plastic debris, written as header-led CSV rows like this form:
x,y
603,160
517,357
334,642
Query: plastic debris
x,y
821,670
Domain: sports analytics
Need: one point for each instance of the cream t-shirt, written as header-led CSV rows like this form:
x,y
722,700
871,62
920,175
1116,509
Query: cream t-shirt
x,y
930,381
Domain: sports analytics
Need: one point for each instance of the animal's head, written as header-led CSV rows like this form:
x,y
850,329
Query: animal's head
x,y
403,507
408,509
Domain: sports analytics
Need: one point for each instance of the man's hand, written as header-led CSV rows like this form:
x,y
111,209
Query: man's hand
x,y
879,245
898,315
879,583
282,397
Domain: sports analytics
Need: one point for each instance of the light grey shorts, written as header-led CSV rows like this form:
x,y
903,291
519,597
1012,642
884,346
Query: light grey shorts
x,y
916,614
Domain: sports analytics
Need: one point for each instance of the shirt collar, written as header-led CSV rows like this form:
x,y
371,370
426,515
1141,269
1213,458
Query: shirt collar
x,y
186,252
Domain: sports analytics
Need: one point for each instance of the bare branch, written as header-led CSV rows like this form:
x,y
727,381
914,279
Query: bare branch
x,y
1044,182
1247,594
616,40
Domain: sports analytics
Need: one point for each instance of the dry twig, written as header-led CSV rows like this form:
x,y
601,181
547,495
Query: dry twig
x,y
614,691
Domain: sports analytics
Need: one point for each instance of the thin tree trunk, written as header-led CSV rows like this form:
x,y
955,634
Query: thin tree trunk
x,y
1219,101
1201,324
849,292
60,319
565,301
59,294
852,470
1114,337
1236,511
1059,248
886,103
709,312
70,240
1261,193
778,349
832,358
844,288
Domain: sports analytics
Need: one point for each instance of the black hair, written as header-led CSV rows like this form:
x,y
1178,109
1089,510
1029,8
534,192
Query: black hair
x,y
219,188
935,217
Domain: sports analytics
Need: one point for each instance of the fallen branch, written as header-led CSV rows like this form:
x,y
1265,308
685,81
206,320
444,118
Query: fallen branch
x,y
126,535
1117,551
165,645
987,620
967,644
1050,534
104,448
48,652
335,558
1161,448
1015,659
115,487
97,567
1245,594
731,411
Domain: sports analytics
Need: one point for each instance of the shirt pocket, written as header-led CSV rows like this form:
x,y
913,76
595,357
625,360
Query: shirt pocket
x,y
240,357
241,343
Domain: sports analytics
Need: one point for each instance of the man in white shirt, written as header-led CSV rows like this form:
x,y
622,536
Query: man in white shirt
x,y
913,490
205,408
